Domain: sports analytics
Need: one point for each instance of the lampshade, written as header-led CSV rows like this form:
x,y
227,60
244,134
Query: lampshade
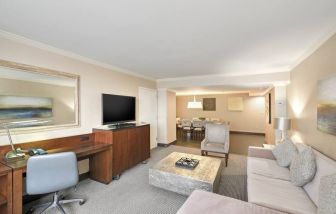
x,y
282,123
194,104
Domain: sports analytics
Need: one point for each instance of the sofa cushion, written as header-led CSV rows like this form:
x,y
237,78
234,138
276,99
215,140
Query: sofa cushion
x,y
201,202
327,195
303,167
278,194
284,152
267,167
324,166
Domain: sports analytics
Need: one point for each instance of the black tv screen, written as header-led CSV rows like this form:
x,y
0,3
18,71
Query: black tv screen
x,y
118,108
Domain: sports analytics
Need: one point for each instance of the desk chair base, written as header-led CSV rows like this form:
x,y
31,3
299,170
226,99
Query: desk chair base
x,y
56,203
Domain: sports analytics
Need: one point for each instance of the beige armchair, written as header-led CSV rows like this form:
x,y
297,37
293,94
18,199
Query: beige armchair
x,y
217,140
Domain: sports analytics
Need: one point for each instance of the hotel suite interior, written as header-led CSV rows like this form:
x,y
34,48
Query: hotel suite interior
x,y
162,107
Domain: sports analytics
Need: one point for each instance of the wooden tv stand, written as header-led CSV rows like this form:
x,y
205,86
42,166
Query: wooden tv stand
x,y
131,145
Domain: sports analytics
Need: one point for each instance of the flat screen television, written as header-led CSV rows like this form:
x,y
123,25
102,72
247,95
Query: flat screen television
x,y
118,109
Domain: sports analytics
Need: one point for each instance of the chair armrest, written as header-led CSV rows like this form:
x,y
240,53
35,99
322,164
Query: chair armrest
x,y
204,143
260,152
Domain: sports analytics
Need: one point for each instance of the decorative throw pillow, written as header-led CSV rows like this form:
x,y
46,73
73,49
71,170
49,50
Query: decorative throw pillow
x,y
303,167
327,195
284,153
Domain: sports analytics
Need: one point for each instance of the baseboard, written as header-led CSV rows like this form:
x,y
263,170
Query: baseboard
x,y
167,144
247,133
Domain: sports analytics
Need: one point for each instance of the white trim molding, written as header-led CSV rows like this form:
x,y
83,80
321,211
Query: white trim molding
x,y
213,80
40,45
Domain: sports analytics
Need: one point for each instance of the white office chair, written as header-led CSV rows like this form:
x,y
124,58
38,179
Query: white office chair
x,y
50,174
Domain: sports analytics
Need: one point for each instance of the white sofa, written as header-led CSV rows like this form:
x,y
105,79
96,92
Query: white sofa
x,y
269,189
269,185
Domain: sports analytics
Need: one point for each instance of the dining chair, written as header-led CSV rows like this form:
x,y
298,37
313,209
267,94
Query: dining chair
x,y
186,127
198,129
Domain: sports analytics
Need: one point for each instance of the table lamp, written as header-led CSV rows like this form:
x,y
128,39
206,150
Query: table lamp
x,y
17,154
283,124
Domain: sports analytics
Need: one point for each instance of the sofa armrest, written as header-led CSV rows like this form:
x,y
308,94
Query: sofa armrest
x,y
260,152
200,202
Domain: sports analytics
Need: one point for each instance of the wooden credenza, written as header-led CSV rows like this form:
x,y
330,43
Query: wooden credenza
x,y
131,145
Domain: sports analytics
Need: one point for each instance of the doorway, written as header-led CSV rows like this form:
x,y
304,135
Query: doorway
x,y
148,112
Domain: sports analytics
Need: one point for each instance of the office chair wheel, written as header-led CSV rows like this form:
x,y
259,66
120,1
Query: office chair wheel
x,y
81,203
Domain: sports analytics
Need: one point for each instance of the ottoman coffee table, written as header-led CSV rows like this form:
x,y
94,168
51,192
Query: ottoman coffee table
x,y
205,176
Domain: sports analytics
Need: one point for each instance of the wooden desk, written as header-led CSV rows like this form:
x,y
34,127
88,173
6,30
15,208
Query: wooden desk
x,y
100,155
5,189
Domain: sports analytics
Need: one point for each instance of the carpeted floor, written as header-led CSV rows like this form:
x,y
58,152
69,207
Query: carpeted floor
x,y
239,142
132,193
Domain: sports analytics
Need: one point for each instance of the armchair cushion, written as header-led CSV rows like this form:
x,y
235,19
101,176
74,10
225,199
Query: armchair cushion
x,y
213,147
216,133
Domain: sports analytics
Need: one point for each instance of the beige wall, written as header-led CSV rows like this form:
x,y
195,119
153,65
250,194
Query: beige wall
x,y
249,120
63,97
94,81
166,116
171,116
302,97
269,130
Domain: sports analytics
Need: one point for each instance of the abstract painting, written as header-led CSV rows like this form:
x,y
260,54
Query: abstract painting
x,y
20,107
209,104
326,107
235,104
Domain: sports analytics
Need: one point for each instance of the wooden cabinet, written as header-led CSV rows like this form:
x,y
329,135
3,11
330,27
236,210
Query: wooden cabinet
x,y
130,146
145,144
5,189
120,151
134,147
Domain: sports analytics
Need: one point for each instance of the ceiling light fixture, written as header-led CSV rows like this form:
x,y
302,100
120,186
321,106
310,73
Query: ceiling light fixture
x,y
194,104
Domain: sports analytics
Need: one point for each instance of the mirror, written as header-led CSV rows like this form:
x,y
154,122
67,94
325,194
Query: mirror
x,y
29,93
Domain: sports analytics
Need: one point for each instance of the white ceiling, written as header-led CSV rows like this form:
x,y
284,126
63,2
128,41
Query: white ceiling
x,y
165,39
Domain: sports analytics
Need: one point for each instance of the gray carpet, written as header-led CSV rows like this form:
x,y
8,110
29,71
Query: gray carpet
x,y
132,193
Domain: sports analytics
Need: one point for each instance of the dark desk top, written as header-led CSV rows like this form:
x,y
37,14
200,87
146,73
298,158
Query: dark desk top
x,y
82,150
122,126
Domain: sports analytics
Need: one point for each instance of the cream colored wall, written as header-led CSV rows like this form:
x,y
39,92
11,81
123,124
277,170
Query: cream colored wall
x,y
171,116
302,97
62,96
166,116
95,80
249,120
269,130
